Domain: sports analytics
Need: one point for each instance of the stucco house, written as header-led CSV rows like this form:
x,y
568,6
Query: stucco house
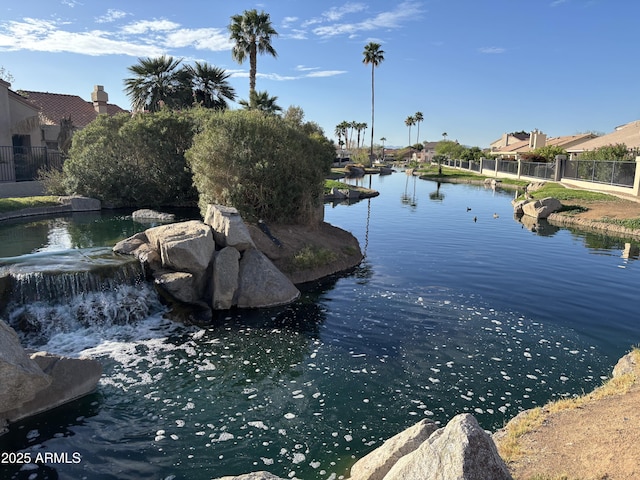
x,y
628,134
537,139
30,127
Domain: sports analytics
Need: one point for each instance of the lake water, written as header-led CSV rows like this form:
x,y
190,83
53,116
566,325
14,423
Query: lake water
x,y
445,315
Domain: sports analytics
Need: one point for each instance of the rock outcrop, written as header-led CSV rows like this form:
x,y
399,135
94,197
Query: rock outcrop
x,y
461,450
377,464
148,215
37,383
537,209
214,262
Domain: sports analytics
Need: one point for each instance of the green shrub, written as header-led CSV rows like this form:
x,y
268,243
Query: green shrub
x,y
265,166
133,161
312,257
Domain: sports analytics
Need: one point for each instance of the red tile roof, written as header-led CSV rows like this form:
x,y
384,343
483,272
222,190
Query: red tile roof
x,y
55,106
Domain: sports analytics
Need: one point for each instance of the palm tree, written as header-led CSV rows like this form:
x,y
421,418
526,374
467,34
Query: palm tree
x,y
262,102
374,55
252,33
158,82
418,118
211,88
344,128
409,122
361,127
383,139
444,136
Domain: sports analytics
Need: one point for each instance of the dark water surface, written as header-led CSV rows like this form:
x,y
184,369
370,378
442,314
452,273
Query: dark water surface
x,y
445,315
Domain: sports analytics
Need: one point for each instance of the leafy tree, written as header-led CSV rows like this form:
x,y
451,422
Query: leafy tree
x,y
409,122
262,102
211,88
6,75
252,33
549,152
418,117
617,152
471,154
158,82
133,161
374,56
241,157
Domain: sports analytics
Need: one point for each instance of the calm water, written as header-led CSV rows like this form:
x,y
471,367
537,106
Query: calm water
x,y
445,315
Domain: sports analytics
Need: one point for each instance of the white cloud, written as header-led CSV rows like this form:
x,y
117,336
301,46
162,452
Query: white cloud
x,y
492,50
391,19
144,26
302,68
288,21
142,38
70,3
325,73
111,16
336,13
556,3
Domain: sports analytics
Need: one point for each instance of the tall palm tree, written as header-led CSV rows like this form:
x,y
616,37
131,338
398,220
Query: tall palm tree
x,y
158,82
409,122
444,136
361,127
344,128
383,139
211,88
252,32
262,102
373,55
418,118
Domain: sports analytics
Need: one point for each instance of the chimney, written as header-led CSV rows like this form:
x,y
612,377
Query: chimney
x,y
537,139
99,98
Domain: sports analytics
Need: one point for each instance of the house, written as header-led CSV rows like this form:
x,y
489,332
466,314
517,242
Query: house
x,y
628,134
35,125
537,139
509,139
58,109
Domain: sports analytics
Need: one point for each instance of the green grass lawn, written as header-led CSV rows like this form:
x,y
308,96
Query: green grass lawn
x,y
12,204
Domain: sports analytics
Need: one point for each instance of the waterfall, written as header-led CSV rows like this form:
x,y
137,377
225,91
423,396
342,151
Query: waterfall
x,y
44,295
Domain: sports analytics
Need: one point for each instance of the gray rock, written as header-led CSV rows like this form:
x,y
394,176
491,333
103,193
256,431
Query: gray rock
x,y
81,204
185,246
229,229
542,208
338,194
226,268
377,464
252,476
72,378
626,364
262,284
148,214
459,451
517,207
181,286
20,377
131,244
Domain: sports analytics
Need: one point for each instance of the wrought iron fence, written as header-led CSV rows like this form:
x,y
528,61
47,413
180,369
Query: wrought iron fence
x,y
474,166
538,169
598,171
21,164
489,164
508,166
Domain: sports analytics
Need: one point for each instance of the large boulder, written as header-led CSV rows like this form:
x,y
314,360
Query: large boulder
x,y
20,376
229,229
185,246
129,245
377,464
182,286
72,378
252,476
147,215
541,208
461,450
262,284
226,268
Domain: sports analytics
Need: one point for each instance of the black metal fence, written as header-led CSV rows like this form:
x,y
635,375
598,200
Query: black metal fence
x,y
21,164
597,171
538,170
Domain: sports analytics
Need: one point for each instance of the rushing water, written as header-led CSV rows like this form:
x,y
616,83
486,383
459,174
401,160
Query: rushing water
x,y
445,315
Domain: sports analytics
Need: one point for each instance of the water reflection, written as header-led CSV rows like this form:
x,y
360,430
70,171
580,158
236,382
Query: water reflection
x,y
437,196
408,198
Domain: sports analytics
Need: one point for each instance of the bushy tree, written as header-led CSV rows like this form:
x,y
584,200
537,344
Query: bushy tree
x,y
618,152
133,161
549,152
267,167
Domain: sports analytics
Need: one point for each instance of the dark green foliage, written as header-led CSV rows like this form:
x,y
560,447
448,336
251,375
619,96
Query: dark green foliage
x,y
265,166
133,161
618,152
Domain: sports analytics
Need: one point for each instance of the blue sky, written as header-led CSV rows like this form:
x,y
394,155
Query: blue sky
x,y
474,68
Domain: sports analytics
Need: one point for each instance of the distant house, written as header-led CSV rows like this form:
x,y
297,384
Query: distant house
x,y
30,127
537,139
58,109
508,139
628,134
428,152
